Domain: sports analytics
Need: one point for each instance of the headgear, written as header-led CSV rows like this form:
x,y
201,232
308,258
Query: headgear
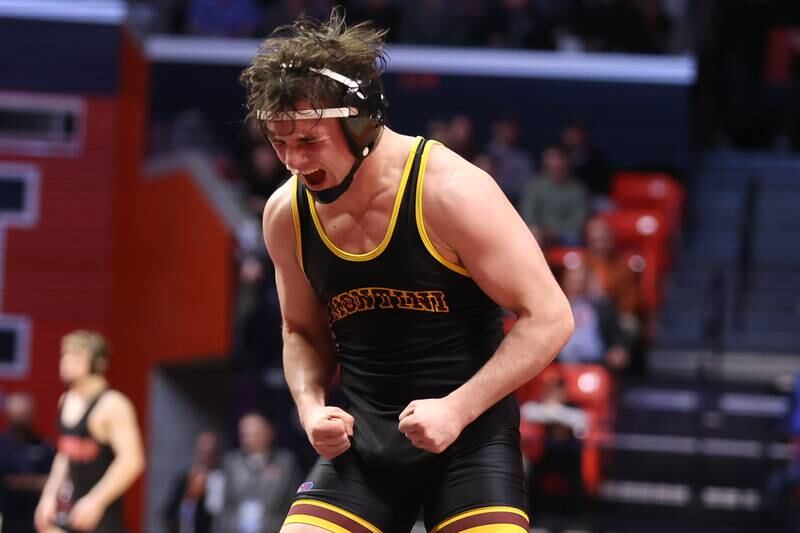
x,y
362,112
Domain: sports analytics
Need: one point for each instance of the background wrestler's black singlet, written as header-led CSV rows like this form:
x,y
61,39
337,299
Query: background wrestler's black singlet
x,y
406,326
88,462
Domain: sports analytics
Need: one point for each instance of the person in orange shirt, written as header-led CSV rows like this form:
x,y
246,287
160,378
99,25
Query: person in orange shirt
x,y
611,277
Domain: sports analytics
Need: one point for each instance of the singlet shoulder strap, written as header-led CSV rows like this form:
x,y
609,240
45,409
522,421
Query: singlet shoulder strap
x,y
297,198
94,403
419,217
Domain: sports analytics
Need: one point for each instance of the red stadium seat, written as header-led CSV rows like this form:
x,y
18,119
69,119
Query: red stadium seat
x,y
657,191
643,235
563,256
589,387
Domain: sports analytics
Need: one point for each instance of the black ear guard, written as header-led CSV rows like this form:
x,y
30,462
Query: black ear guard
x,y
362,129
99,364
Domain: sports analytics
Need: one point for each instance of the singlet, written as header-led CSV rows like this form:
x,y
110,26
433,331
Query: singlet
x,y
408,324
88,462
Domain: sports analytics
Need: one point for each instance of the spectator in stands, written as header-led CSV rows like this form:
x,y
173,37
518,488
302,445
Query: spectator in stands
x,y
438,130
461,136
25,460
514,164
588,163
613,278
555,204
196,494
556,478
260,481
597,337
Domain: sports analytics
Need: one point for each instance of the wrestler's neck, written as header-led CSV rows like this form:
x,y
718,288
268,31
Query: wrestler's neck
x,y
381,169
88,386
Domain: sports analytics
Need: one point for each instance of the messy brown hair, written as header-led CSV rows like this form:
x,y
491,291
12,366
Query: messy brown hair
x,y
279,74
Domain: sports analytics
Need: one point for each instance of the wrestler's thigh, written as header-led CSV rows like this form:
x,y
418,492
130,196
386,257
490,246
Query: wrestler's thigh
x,y
482,484
344,495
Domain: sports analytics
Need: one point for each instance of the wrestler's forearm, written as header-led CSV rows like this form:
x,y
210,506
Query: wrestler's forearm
x,y
309,366
531,344
121,474
57,474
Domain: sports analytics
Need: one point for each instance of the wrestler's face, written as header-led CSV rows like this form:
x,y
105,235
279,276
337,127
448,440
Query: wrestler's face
x,y
315,150
75,363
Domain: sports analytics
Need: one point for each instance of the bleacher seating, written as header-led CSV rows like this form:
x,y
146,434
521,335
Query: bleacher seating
x,y
657,191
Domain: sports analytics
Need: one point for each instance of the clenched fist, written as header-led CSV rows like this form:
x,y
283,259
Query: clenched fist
x,y
329,430
87,513
432,424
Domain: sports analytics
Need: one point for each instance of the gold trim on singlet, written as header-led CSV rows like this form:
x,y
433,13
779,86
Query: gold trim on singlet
x,y
326,524
496,528
421,220
398,200
298,236
481,510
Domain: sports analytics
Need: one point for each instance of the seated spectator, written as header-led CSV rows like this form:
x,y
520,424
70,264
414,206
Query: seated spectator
x,y
612,277
515,165
196,494
597,338
550,411
588,163
438,130
555,204
556,478
461,136
260,481
25,460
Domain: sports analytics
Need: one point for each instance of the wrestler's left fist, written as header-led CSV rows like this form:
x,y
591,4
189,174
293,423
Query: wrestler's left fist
x,y
432,424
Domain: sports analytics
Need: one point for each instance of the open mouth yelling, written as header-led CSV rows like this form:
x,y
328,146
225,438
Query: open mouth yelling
x,y
314,177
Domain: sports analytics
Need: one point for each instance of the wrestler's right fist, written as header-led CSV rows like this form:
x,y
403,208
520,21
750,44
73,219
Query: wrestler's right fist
x,y
329,430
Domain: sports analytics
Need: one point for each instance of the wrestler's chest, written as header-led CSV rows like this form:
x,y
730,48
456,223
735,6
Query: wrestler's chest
x,y
357,234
